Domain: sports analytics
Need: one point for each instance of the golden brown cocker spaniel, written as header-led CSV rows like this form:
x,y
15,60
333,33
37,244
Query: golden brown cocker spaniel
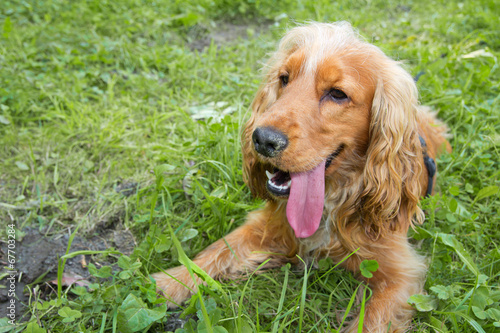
x,y
336,144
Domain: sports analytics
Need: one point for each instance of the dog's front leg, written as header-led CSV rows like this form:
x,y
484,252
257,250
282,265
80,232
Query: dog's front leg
x,y
264,236
400,275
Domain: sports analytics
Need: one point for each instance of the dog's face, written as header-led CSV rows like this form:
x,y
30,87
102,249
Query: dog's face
x,y
319,115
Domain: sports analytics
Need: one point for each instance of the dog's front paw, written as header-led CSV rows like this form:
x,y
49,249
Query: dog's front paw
x,y
175,284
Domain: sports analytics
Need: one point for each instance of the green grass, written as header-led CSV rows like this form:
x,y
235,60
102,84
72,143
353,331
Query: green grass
x,y
95,95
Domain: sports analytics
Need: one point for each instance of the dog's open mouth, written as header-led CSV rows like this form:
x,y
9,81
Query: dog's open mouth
x,y
279,182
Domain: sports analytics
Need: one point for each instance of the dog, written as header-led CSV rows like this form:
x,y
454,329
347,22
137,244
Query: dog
x,y
342,152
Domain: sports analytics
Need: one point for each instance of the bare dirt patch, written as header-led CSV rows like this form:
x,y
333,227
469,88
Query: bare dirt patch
x,y
223,34
37,258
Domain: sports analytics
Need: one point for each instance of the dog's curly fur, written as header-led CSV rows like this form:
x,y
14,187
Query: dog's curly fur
x,y
372,187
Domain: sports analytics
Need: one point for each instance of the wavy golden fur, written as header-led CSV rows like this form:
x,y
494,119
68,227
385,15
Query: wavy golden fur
x,y
326,90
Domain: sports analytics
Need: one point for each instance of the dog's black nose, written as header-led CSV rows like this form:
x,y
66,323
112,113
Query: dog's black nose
x,y
268,141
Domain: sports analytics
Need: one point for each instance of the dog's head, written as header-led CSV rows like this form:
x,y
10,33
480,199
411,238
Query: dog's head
x,y
332,102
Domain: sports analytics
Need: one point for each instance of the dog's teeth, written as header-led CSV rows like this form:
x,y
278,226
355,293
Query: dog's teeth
x,y
289,183
270,175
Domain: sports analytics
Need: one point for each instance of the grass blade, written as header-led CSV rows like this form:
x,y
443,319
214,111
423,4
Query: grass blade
x,y
303,295
362,312
282,298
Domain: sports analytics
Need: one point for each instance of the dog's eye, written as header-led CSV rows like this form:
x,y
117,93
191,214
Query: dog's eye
x,y
337,95
284,80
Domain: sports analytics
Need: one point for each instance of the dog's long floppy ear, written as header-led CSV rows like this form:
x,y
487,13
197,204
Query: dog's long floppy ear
x,y
254,172
391,176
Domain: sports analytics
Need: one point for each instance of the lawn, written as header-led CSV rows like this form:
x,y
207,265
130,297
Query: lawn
x,y
123,118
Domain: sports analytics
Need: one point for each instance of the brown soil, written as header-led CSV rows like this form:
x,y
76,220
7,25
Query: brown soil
x,y
37,258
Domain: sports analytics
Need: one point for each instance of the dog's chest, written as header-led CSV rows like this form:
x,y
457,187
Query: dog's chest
x,y
309,247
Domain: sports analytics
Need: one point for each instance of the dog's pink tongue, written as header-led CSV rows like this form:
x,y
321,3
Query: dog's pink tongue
x,y
305,203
